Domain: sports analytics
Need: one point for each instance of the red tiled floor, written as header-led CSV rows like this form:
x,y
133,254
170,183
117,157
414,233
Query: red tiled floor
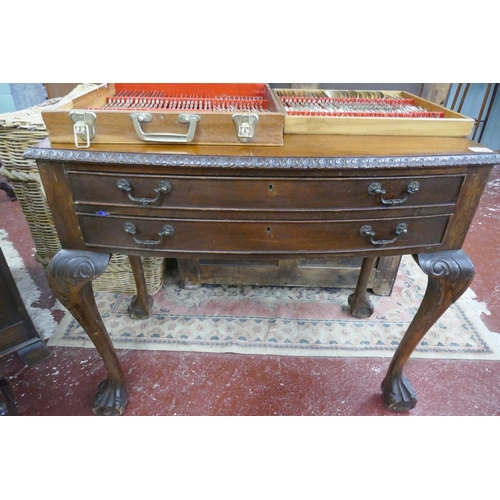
x,y
173,383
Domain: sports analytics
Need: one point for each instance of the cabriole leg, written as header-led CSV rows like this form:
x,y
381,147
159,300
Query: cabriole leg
x,y
359,303
449,276
70,275
142,303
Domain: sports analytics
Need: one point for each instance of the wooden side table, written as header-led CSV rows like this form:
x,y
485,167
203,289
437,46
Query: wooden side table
x,y
315,197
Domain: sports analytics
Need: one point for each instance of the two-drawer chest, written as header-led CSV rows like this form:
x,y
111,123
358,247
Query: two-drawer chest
x,y
314,197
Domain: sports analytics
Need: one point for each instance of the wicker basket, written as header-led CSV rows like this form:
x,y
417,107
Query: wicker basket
x,y
21,130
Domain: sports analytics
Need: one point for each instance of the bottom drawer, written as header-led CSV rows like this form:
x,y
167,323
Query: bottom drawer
x,y
257,237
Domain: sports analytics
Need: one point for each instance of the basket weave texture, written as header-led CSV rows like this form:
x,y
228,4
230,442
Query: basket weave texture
x,y
18,132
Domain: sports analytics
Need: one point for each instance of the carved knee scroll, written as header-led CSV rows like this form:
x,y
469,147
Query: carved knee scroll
x,y
450,274
69,270
452,271
70,275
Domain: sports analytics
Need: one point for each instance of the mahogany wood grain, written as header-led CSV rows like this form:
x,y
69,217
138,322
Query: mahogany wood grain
x,y
450,274
241,237
257,194
223,208
141,304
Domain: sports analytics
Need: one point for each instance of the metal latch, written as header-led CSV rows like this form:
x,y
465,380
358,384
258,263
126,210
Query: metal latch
x,y
84,127
245,126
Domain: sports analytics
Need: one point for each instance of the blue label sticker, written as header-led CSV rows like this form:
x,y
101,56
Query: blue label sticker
x,y
101,213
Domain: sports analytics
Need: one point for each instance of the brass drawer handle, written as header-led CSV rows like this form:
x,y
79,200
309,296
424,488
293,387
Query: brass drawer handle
x,y
166,230
368,231
138,118
376,188
164,187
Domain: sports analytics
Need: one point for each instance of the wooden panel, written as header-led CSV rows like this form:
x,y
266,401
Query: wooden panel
x,y
425,127
14,337
59,89
243,237
436,92
60,200
451,125
246,193
17,332
297,156
116,127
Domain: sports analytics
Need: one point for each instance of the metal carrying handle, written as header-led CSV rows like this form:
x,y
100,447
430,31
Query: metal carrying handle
x,y
138,118
368,231
376,188
166,230
164,187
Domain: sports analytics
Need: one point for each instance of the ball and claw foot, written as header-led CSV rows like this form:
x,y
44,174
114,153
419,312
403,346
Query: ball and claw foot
x,y
137,309
111,399
7,187
398,394
360,311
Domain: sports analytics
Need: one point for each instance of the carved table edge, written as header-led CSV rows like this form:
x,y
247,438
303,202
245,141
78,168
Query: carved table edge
x,y
288,162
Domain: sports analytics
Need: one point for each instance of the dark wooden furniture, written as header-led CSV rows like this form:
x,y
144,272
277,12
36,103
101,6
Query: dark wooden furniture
x,y
17,332
7,187
315,197
6,402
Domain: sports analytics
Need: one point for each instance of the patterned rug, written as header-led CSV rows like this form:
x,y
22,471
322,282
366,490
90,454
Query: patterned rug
x,y
296,321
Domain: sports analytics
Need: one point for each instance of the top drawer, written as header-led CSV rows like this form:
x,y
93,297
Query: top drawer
x,y
252,194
